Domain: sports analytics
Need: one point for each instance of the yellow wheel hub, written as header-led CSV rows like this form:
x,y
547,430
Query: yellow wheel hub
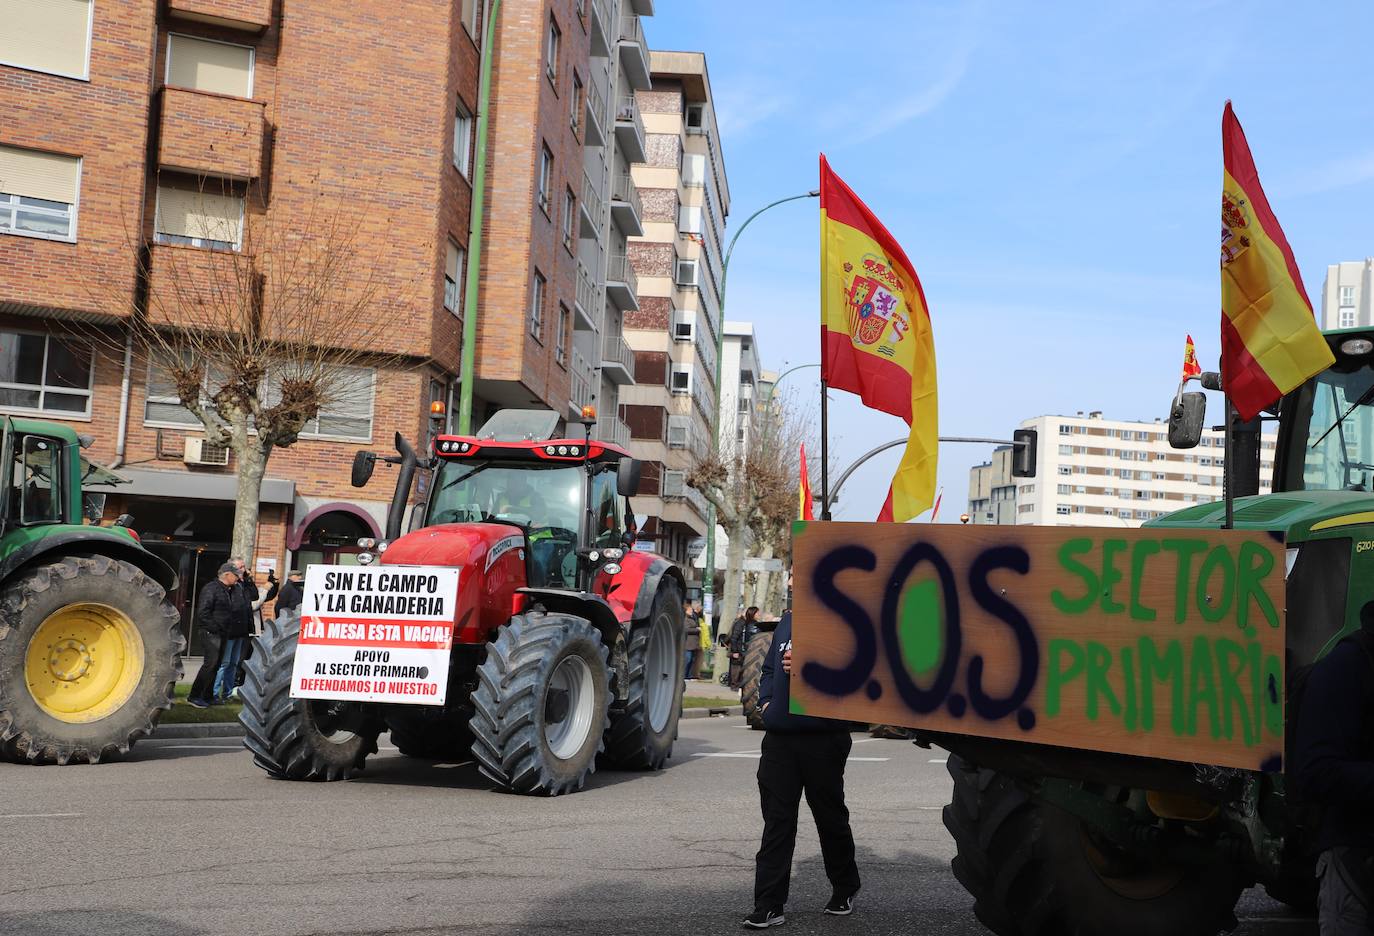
x,y
84,662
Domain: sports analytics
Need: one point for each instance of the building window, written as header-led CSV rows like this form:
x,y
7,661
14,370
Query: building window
x,y
1063,489
38,193
1062,510
686,273
469,14
162,405
684,323
545,180
694,170
187,216
1347,318
696,118
551,51
53,36
346,412
1065,469
462,140
560,348
45,374
575,106
206,65
570,221
680,379
453,278
537,306
1065,450
1347,295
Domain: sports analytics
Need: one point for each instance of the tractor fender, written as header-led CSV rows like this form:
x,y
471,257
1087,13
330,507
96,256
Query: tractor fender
x,y
650,570
581,604
88,541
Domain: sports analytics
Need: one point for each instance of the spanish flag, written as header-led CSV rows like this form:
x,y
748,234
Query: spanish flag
x,y
1270,342
805,510
1191,368
876,338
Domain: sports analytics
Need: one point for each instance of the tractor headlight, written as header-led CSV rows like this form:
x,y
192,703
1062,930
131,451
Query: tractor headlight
x,y
614,554
381,546
366,542
365,558
612,568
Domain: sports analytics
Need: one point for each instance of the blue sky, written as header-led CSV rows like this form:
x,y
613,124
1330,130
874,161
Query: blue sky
x,y
1052,170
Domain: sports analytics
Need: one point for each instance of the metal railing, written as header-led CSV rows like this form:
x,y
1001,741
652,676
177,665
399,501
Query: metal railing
x,y
596,106
583,379
627,111
624,189
588,295
614,430
630,28
614,349
592,202
619,270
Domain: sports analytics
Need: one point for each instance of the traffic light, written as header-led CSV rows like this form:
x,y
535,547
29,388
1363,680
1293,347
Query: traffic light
x,y
1025,442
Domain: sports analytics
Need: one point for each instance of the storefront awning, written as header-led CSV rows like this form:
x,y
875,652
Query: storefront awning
x,y
150,482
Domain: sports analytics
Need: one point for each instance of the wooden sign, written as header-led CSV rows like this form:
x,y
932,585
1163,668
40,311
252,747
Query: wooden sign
x,y
1154,642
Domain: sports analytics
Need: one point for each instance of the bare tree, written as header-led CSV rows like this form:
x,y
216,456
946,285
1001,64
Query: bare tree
x,y
754,491
275,322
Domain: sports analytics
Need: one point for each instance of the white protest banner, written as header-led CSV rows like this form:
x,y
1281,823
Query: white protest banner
x,y
376,634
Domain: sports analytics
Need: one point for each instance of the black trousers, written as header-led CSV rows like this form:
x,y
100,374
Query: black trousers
x,y
793,765
204,683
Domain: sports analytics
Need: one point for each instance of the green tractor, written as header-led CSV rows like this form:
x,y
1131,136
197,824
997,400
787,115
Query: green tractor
x,y
90,647
1061,841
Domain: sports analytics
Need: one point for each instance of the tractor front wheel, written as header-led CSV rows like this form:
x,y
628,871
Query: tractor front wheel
x,y
641,737
90,650
542,704
296,739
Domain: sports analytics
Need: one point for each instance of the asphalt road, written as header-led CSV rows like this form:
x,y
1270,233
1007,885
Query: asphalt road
x,y
189,838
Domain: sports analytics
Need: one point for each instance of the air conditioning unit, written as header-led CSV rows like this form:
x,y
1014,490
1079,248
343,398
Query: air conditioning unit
x,y
202,452
678,428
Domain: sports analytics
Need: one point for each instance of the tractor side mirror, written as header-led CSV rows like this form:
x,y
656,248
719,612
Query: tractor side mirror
x,y
627,477
1023,456
363,464
1185,420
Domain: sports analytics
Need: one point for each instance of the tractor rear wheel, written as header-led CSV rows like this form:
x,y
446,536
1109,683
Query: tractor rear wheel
x,y
1036,870
641,737
90,650
295,739
750,673
542,704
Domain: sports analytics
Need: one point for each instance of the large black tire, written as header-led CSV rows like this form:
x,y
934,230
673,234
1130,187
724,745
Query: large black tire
x,y
292,739
752,671
430,738
641,737
517,719
1033,871
71,600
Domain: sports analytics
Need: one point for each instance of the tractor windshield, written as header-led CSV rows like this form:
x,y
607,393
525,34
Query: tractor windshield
x,y
1337,450
528,495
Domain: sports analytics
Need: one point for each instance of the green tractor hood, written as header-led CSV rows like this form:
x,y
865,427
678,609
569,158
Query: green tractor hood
x,y
1298,514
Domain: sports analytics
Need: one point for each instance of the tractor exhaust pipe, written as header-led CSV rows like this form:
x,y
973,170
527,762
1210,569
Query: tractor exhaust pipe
x,y
396,514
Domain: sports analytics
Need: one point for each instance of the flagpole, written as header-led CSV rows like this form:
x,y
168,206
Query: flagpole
x,y
825,453
1227,471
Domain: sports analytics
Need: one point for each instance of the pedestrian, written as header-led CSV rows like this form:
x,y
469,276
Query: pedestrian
x,y
801,754
291,593
741,632
704,656
215,612
246,601
691,641
1335,772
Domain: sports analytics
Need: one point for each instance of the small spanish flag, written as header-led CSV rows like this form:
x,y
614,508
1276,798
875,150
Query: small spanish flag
x,y
1191,368
805,510
1270,342
876,336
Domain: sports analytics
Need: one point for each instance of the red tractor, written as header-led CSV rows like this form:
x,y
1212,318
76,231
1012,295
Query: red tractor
x,y
567,643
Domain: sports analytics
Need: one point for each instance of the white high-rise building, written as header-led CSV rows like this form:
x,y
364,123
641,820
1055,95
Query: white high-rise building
x,y
1348,295
1093,471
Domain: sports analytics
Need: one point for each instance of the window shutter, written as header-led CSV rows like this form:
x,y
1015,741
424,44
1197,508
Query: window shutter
x,y
210,66
38,175
189,213
49,35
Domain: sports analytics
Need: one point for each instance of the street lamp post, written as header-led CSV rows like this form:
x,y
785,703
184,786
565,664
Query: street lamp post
x,y
709,575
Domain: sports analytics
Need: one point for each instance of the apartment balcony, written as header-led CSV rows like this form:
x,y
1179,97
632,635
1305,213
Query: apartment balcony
x,y
587,301
634,54
193,287
211,134
622,285
583,383
617,360
613,430
247,15
596,116
593,208
626,210
642,7
629,128
601,26
675,488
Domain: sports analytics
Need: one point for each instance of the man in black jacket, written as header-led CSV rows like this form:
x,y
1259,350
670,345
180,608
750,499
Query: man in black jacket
x,y
291,593
1335,769
801,754
215,615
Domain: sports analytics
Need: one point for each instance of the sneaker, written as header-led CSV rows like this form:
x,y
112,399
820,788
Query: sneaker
x,y
840,906
198,703
762,919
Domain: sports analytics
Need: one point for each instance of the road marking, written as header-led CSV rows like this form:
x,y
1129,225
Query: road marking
x,y
866,740
452,766
43,815
930,807
938,760
755,755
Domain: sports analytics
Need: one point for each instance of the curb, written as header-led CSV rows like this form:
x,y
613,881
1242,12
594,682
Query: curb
x,y
200,730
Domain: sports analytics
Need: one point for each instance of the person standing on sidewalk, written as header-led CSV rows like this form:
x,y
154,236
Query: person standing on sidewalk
x,y
291,593
801,755
244,602
214,613
691,642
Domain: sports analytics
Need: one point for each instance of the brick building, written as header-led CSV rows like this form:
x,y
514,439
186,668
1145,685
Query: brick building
x,y
172,127
673,333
